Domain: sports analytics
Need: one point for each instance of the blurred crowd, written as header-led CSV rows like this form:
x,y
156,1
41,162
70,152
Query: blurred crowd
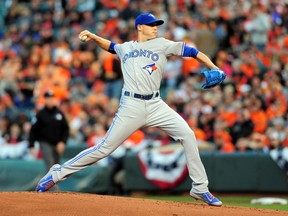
x,y
40,50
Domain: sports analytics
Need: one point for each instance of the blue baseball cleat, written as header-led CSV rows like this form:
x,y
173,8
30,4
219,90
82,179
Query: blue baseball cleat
x,y
207,198
45,183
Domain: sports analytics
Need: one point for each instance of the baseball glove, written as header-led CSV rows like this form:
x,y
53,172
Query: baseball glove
x,y
213,77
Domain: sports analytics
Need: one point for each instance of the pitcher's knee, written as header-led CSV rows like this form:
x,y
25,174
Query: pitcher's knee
x,y
187,135
105,150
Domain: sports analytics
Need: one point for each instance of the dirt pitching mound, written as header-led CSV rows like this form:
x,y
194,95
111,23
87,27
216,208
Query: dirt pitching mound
x,y
67,203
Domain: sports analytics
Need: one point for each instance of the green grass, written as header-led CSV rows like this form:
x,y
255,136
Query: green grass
x,y
243,201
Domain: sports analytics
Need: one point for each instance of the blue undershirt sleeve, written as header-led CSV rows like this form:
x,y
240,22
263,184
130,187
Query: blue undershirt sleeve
x,y
111,48
190,52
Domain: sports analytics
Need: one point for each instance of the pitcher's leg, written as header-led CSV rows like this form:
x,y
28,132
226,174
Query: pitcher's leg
x,y
125,123
195,166
175,126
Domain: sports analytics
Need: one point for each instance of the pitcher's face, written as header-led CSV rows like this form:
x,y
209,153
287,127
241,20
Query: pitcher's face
x,y
148,31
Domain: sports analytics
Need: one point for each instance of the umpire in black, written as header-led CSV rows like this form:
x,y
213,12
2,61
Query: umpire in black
x,y
50,128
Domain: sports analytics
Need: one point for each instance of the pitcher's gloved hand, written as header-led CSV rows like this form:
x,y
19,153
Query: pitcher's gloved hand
x,y
213,77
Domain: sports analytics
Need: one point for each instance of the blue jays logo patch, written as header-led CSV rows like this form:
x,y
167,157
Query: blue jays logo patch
x,y
150,68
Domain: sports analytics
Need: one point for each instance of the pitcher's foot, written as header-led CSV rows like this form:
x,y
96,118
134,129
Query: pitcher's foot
x,y
207,198
46,182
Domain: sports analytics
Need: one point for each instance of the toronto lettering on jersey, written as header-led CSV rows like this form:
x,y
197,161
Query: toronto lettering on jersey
x,y
141,53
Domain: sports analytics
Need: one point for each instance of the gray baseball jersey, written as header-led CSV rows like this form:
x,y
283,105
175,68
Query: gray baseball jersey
x,y
143,64
141,105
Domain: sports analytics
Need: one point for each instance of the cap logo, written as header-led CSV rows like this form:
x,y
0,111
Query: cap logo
x,y
152,16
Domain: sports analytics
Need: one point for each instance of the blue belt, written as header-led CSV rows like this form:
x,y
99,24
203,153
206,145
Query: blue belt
x,y
140,96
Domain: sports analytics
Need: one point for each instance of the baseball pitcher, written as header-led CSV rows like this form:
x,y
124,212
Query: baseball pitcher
x,y
143,62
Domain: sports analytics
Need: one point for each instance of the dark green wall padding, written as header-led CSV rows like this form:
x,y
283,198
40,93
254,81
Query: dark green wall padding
x,y
238,172
19,175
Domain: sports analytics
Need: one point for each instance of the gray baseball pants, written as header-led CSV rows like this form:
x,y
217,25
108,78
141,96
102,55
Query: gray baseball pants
x,y
133,114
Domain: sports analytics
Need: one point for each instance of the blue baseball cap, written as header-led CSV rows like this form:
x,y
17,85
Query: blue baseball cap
x,y
147,19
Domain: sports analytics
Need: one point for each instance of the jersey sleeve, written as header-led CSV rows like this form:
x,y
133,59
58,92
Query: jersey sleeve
x,y
111,48
172,47
118,48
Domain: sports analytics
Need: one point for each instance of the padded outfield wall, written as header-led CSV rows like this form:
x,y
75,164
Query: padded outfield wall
x,y
239,172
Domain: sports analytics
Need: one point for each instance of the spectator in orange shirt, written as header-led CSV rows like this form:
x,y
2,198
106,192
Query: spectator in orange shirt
x,y
276,101
112,76
199,133
258,115
226,115
223,143
276,109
